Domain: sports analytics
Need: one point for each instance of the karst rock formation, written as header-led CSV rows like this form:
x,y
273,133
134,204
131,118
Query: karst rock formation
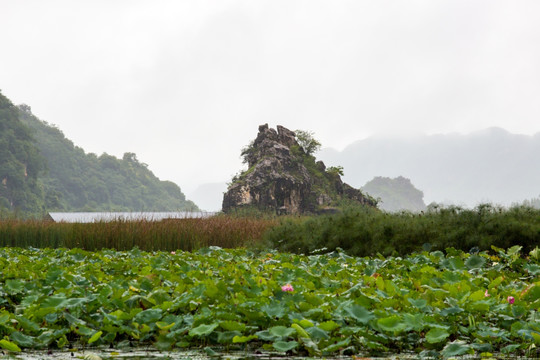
x,y
282,178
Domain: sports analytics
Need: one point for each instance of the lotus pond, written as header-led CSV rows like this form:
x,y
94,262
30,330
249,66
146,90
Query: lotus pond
x,y
431,304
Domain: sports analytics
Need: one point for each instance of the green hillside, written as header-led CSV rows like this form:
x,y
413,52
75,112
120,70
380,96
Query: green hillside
x,y
62,177
20,163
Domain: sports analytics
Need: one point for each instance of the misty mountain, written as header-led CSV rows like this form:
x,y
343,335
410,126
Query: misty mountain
x,y
395,194
490,165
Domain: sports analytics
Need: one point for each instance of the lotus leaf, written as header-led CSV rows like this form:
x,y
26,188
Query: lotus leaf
x,y
203,329
281,331
359,313
436,335
392,324
282,346
455,348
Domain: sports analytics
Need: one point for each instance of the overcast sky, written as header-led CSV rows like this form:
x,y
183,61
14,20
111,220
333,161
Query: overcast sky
x,y
185,84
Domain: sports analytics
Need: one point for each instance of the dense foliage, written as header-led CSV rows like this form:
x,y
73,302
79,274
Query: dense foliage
x,y
185,234
395,194
77,181
430,304
20,164
363,232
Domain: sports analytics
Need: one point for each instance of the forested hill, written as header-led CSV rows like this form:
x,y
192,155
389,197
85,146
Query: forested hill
x,y
20,163
62,177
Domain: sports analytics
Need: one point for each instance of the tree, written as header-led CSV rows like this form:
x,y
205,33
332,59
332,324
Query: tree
x,y
307,142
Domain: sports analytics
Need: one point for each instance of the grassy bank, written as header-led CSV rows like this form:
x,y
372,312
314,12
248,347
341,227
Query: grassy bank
x,y
364,232
168,235
359,231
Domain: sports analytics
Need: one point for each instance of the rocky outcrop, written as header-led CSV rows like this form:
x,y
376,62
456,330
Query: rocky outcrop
x,y
281,177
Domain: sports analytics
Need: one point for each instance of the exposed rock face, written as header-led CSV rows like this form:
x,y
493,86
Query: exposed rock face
x,y
281,177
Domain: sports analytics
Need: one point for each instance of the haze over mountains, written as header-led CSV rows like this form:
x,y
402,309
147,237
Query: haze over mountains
x,y
490,165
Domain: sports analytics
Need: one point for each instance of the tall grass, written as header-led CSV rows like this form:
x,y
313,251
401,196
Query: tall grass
x,y
364,232
167,235
358,231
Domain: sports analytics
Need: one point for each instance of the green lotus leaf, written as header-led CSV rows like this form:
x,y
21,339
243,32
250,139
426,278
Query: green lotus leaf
x,y
337,346
281,331
85,330
456,263
359,313
74,302
475,262
514,250
533,294
8,345
283,346
55,301
418,303
27,324
455,348
95,337
414,321
232,325
392,324
243,339
496,282
149,316
266,335
22,339
300,331
203,329
452,277
14,286
226,337
162,325
274,310
451,311
482,347
305,323
436,335
317,334
510,349
328,325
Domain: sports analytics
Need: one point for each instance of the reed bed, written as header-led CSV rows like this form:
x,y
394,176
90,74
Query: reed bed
x,y
167,235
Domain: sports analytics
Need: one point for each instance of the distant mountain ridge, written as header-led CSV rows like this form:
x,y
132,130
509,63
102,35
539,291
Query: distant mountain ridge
x,y
62,177
491,165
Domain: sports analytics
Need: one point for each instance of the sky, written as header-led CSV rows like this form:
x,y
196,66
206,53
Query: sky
x,y
185,84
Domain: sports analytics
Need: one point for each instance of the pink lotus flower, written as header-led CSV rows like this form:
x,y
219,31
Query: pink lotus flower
x,y
486,294
287,287
510,300
173,252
